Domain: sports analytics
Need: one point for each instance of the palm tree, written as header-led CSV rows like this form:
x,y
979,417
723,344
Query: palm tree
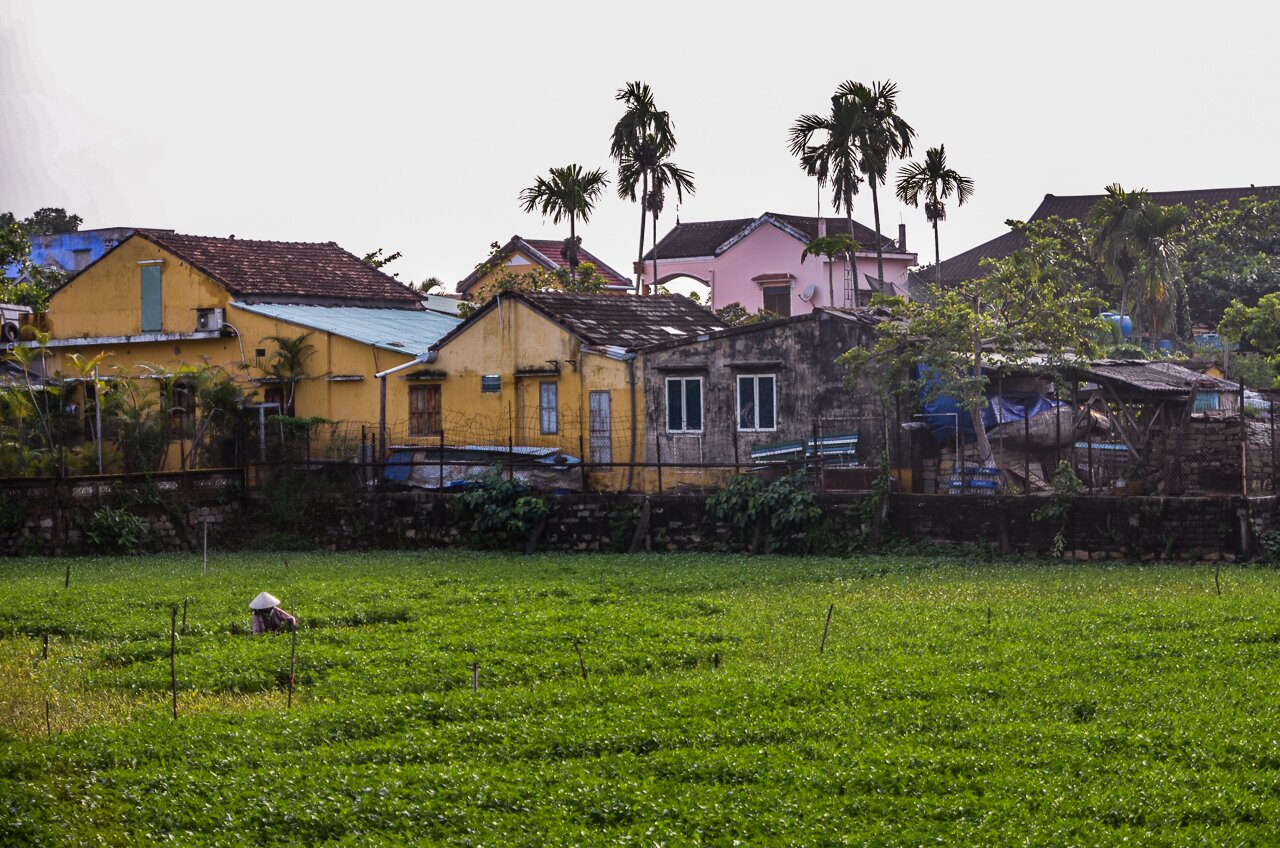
x,y
882,135
1113,221
288,366
569,192
1158,288
830,247
642,143
937,182
827,149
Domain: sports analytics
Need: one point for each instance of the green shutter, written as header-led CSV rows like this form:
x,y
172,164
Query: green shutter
x,y
152,306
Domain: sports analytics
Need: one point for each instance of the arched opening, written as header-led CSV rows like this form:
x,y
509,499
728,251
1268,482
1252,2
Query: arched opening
x,y
688,285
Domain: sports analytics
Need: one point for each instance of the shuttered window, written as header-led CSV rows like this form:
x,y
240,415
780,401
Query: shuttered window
x,y
548,417
424,410
152,304
684,404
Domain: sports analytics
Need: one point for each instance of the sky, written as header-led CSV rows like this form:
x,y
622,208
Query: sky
x,y
413,127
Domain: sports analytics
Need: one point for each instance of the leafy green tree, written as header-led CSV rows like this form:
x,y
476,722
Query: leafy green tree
x,y
568,192
51,220
936,182
642,143
830,247
883,135
1230,253
1020,309
31,285
376,259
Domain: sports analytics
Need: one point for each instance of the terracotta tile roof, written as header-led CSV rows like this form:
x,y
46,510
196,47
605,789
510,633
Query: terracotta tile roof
x,y
549,253
285,271
710,238
967,265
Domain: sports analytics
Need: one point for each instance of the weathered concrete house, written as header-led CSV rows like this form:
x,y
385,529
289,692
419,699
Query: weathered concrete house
x,y
760,392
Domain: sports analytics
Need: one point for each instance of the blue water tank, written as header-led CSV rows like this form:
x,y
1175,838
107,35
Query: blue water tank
x,y
1166,346
1126,326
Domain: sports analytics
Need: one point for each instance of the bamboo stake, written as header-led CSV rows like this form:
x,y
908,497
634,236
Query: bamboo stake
x,y
581,664
48,719
293,663
66,582
184,616
173,657
475,676
825,628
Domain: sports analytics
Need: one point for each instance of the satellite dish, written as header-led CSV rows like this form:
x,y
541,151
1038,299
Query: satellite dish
x,y
808,293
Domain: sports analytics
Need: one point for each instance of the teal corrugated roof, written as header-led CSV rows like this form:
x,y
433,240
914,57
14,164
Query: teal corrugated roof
x,y
408,331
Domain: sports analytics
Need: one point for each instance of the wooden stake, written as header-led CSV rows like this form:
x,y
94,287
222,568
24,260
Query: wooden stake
x,y
173,657
204,569
715,660
44,654
826,627
475,676
1217,571
66,583
48,720
582,666
184,616
293,663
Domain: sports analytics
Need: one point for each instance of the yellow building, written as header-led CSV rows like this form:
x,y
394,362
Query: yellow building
x,y
520,256
168,300
551,369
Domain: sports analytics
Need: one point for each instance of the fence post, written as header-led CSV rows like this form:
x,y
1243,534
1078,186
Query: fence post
x,y
511,455
582,457
817,459
440,459
657,445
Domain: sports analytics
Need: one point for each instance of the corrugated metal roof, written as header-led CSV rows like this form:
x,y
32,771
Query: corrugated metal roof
x,y
409,331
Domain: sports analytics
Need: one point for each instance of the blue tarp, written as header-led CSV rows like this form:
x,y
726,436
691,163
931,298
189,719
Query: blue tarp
x,y
942,412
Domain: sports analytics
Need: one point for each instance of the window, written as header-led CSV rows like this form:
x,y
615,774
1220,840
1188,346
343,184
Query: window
x,y
684,404
183,411
757,402
547,417
424,410
80,259
152,307
777,299
491,383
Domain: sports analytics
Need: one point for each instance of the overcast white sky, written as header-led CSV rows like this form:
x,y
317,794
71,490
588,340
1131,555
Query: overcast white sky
x,y
413,127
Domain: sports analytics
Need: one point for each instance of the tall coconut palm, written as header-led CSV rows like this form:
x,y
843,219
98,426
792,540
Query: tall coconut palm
x,y
568,192
1112,222
1158,289
827,147
664,177
882,135
642,143
936,182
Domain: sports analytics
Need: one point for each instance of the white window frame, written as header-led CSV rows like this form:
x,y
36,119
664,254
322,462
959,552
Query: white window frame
x,y
755,411
684,411
549,416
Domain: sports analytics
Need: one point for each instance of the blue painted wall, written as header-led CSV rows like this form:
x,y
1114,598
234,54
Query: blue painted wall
x,y
71,252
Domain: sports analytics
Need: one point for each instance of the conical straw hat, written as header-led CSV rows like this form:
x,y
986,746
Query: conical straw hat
x,y
264,601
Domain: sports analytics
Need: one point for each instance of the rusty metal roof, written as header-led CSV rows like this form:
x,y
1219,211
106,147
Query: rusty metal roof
x,y
1155,378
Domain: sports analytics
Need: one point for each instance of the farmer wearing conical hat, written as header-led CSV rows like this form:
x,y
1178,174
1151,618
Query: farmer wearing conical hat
x,y
268,617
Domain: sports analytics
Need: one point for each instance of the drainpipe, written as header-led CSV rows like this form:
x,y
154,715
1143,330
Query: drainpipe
x,y
420,359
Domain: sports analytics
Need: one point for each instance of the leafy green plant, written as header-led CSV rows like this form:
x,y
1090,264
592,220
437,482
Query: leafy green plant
x,y
1066,488
774,512
116,531
509,508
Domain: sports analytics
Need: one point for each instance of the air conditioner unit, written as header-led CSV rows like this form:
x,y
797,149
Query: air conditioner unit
x,y
208,320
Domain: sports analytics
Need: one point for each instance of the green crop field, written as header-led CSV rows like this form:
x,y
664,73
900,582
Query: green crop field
x,y
1096,705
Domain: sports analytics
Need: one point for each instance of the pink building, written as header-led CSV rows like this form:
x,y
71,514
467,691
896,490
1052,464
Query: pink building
x,y
756,262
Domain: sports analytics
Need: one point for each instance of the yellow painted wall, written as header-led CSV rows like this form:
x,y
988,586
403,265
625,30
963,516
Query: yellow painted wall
x,y
513,337
477,289
105,301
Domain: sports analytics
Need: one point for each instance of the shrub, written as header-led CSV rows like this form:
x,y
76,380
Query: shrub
x,y
501,506
116,531
774,511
